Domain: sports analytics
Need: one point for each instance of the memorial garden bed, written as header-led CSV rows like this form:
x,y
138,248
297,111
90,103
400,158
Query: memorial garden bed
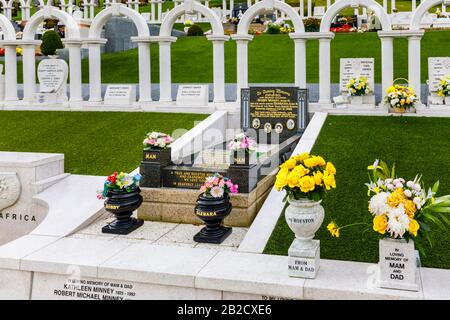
x,y
352,143
94,143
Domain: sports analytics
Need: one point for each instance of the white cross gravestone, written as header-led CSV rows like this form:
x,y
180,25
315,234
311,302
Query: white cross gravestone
x,y
192,95
52,75
355,68
438,67
120,94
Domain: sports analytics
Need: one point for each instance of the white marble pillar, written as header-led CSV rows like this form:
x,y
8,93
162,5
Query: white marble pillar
x,y
10,73
25,12
387,63
76,90
328,4
302,8
231,7
160,11
324,70
300,62
136,5
29,71
385,5
95,71
218,66
165,70
224,8
356,12
414,63
92,10
85,10
152,11
364,12
413,5
392,5
8,12
242,62
145,85
309,9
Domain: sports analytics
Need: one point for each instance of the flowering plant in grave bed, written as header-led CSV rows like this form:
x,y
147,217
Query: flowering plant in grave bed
x,y
358,87
218,186
444,87
305,176
157,140
401,208
119,182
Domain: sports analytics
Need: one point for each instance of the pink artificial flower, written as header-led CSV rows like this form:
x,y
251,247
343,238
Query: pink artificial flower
x,y
221,183
234,189
99,196
202,188
167,139
244,144
229,184
208,184
216,181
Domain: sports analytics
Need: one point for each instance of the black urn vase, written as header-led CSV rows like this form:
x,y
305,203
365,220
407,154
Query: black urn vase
x,y
212,211
122,204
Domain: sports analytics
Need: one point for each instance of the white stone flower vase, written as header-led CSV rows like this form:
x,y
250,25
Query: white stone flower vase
x,y
398,265
447,101
356,100
304,217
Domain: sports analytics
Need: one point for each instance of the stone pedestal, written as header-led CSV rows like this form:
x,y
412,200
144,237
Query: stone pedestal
x,y
303,263
245,176
152,165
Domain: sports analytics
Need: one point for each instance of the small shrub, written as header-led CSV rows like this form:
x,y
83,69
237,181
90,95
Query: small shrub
x,y
51,41
273,29
194,31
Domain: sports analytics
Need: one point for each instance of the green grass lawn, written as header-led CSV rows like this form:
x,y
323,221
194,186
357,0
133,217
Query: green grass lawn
x,y
94,143
271,58
416,145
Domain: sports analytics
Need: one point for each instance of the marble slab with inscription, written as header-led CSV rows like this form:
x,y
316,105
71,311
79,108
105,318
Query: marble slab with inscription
x,y
438,67
120,94
355,68
192,95
52,75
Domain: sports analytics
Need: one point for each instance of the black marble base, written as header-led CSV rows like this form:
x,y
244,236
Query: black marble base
x,y
151,175
246,177
117,227
217,236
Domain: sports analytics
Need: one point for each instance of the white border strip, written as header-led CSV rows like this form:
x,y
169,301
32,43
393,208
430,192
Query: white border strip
x,y
261,229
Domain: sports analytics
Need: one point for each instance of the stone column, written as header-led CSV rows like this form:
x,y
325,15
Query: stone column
x,y
25,12
153,10
242,61
92,10
218,66
76,90
302,8
145,85
356,12
324,67
328,4
86,9
309,8
385,5
136,5
224,8
392,5
95,69
387,62
414,61
231,7
10,71
29,70
165,69
8,12
413,5
159,10
300,59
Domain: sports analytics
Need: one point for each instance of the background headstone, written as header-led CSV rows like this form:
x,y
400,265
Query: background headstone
x,y
355,68
438,67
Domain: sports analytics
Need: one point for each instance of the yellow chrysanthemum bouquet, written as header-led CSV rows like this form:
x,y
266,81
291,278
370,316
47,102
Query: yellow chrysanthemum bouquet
x,y
444,87
305,176
358,87
400,97
402,209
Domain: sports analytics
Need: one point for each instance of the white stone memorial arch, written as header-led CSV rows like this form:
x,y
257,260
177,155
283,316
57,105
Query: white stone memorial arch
x,y
8,8
165,39
414,36
4,7
94,41
387,49
72,42
242,38
9,42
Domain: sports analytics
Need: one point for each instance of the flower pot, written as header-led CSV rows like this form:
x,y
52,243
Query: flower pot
x,y
398,265
447,100
304,217
122,204
212,211
398,110
357,100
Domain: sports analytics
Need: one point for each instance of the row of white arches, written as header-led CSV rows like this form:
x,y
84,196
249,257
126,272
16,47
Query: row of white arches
x,y
94,41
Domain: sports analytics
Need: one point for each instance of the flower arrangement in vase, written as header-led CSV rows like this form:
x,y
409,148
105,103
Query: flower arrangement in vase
x,y
122,194
357,88
242,147
401,98
157,147
400,210
213,205
444,89
305,178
